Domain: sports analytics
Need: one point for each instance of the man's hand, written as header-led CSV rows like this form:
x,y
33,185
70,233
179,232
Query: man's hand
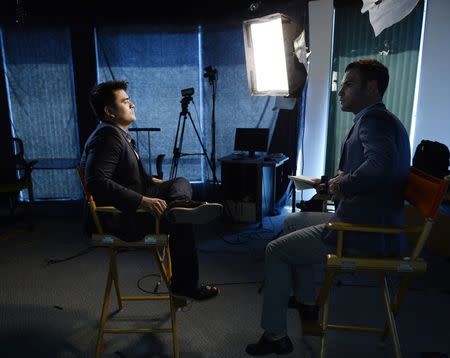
x,y
333,185
320,187
156,180
155,205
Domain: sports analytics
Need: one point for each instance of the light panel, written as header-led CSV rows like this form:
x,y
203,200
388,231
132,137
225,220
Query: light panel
x,y
272,67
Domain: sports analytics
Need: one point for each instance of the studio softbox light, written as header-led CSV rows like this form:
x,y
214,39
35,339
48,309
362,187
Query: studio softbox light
x,y
272,66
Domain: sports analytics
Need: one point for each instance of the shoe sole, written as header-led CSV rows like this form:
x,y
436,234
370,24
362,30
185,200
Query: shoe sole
x,y
202,214
188,299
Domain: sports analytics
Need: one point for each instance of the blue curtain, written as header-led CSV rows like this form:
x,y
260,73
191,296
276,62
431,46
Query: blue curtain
x,y
39,78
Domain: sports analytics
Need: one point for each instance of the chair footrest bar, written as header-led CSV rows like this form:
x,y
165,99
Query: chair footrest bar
x,y
137,330
146,298
355,328
107,240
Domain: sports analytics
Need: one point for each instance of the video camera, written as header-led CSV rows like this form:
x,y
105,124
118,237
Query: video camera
x,y
187,92
187,98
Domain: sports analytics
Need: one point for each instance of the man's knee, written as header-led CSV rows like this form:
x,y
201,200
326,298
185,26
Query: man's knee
x,y
272,249
181,181
182,185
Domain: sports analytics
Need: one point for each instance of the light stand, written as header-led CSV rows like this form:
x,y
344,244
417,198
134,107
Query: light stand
x,y
177,147
211,74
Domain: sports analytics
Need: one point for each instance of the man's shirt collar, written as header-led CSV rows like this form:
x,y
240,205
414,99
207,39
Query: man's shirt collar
x,y
362,112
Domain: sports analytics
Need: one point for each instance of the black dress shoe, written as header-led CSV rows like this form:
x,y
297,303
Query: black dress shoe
x,y
192,212
265,346
202,293
307,312
293,303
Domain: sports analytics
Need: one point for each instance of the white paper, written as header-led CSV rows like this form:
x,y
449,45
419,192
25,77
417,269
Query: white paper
x,y
387,12
303,182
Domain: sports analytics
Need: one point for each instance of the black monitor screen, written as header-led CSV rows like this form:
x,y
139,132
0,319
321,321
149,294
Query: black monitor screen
x,y
251,140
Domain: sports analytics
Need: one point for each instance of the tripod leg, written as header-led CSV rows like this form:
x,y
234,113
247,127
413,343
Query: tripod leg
x,y
177,146
204,150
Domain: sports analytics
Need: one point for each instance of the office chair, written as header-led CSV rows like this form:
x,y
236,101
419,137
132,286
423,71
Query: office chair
x,y
158,245
425,193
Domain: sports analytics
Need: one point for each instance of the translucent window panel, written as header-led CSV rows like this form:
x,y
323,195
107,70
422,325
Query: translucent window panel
x,y
39,77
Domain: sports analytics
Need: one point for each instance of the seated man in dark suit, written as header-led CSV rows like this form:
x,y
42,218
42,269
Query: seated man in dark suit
x,y
115,176
372,173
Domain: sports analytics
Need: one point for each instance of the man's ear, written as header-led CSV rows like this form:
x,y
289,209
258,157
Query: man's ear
x,y
109,111
372,88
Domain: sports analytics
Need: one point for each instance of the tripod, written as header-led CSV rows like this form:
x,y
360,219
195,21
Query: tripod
x,y
177,147
211,74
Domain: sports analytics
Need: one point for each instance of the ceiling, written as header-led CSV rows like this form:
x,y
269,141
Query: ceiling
x,y
46,12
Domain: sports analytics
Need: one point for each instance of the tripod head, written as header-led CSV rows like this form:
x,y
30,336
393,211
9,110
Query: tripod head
x,y
187,98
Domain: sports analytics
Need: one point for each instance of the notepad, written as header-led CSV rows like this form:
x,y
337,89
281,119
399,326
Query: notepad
x,y
303,182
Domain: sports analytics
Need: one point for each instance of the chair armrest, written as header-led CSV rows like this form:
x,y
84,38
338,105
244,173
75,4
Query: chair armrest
x,y
342,226
107,209
112,209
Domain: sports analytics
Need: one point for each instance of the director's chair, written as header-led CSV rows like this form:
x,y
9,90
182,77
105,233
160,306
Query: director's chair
x,y
158,245
425,193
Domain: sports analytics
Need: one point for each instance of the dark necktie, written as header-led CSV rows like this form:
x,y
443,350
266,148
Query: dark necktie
x,y
133,144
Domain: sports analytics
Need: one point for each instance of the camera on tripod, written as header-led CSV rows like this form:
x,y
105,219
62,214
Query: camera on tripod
x,y
187,97
187,92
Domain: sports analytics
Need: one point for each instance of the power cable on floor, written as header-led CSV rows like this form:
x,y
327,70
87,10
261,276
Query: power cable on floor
x,y
48,262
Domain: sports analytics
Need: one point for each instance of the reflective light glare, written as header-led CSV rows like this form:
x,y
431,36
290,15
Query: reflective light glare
x,y
269,56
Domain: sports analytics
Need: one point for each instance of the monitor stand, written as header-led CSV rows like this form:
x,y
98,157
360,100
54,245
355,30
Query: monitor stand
x,y
251,154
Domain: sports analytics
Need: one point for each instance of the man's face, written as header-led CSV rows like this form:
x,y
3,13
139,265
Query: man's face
x,y
122,111
354,95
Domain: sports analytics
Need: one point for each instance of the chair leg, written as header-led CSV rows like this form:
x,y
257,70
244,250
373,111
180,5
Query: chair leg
x,y
115,276
169,262
323,342
104,314
325,291
162,267
323,300
173,321
390,316
398,299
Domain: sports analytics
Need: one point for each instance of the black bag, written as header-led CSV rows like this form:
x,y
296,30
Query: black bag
x,y
432,158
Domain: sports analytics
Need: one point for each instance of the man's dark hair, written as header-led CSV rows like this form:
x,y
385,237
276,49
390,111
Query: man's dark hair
x,y
371,70
102,95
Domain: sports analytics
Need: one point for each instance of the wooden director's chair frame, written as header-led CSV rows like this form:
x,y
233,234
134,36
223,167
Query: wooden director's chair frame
x,y
425,193
158,245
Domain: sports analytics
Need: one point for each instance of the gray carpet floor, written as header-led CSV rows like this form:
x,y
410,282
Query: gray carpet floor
x,y
52,310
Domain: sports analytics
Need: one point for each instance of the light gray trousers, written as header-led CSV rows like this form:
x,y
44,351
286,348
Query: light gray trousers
x,y
289,266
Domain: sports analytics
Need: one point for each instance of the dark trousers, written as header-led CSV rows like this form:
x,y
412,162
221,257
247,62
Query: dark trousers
x,y
183,250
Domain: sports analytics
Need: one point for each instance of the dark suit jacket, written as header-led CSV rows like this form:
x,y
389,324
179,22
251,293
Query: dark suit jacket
x,y
113,173
376,161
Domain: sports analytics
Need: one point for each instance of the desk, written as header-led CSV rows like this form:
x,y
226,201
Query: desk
x,y
249,186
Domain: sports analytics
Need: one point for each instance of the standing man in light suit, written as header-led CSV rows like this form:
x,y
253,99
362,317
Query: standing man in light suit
x,y
368,188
